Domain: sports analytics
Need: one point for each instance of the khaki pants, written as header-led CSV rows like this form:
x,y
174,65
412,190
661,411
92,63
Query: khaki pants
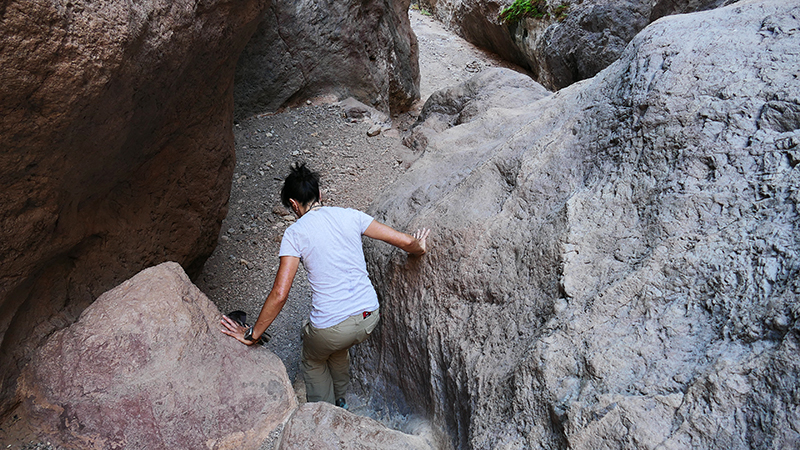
x,y
326,356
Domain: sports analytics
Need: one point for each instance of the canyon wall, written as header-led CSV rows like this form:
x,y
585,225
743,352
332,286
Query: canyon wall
x,y
574,41
614,265
117,150
332,50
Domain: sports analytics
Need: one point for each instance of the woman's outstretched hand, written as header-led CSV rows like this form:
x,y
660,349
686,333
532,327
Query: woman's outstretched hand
x,y
416,243
234,330
421,236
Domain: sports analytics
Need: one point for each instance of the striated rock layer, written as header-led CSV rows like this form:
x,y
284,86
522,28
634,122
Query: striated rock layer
x,y
616,264
307,49
117,150
576,40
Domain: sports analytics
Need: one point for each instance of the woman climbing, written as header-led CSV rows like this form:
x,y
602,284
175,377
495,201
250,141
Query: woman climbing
x,y
344,305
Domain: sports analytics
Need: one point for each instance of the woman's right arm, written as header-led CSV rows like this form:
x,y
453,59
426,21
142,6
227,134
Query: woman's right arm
x,y
416,244
272,305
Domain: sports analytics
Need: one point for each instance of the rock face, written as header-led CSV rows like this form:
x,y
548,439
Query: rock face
x,y
615,265
117,152
576,41
478,22
146,367
310,48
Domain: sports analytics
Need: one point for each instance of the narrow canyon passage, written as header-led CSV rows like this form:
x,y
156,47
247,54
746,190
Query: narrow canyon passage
x,y
614,263
354,169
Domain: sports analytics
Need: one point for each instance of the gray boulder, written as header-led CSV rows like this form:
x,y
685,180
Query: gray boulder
x,y
492,88
575,41
312,49
615,265
117,150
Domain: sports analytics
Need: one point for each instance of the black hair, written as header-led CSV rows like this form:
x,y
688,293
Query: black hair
x,y
301,185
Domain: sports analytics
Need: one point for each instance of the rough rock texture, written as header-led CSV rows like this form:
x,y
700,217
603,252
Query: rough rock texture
x,y
117,150
310,48
462,103
569,45
146,367
616,265
322,426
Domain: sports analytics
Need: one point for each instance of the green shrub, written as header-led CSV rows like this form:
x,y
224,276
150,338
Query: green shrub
x,y
536,9
422,10
561,12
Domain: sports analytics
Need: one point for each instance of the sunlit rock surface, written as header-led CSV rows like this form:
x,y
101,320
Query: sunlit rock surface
x,y
322,426
147,367
574,40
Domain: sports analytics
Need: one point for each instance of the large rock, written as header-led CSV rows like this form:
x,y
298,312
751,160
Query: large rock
x,y
308,49
117,150
615,265
147,367
492,88
575,41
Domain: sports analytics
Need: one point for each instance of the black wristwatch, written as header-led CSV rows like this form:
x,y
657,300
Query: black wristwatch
x,y
248,335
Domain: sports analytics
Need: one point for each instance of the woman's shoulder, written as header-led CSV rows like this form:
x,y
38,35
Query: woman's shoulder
x,y
345,211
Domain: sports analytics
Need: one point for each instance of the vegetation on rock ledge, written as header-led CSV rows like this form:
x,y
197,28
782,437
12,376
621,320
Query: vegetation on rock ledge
x,y
537,9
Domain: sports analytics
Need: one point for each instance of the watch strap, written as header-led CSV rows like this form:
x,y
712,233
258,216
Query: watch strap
x,y
248,335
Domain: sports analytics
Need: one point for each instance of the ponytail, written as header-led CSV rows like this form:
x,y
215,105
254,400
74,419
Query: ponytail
x,y
301,185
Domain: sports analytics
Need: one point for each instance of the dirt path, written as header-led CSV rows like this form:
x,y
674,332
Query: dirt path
x,y
354,168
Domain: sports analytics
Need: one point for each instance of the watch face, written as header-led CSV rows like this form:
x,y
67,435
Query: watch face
x,y
249,334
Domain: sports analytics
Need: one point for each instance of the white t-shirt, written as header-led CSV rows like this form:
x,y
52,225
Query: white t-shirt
x,y
328,242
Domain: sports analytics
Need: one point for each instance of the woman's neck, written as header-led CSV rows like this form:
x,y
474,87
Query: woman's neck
x,y
303,209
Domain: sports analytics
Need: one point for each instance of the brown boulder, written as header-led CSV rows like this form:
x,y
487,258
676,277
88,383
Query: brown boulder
x,y
117,150
146,367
